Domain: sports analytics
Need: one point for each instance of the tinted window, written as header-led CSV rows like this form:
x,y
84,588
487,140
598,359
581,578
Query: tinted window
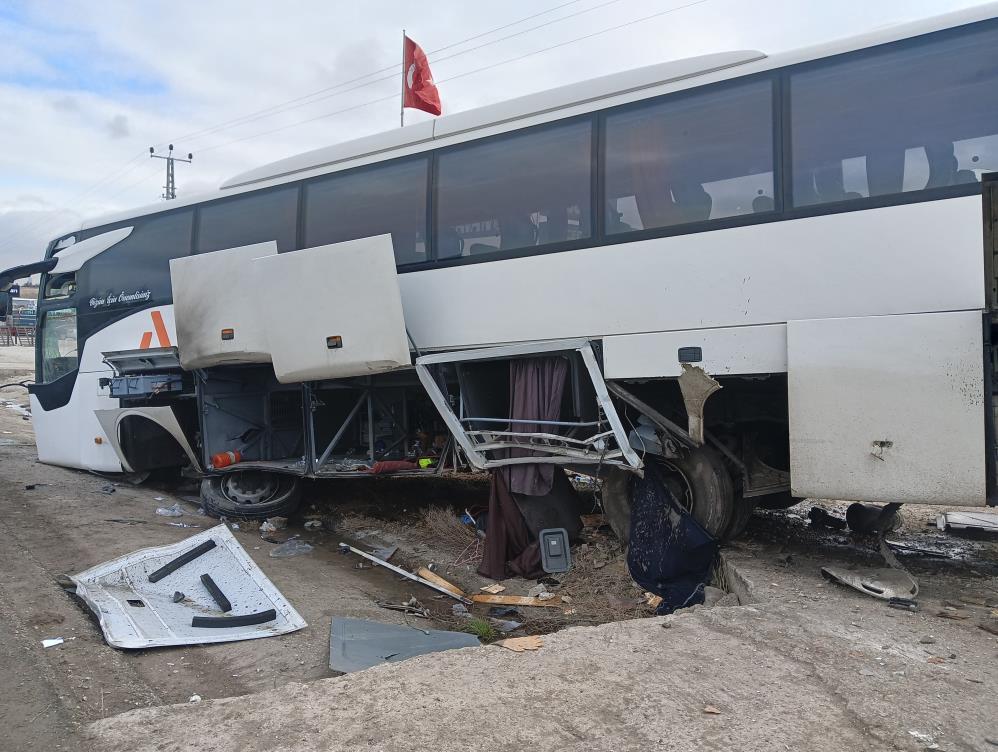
x,y
690,159
248,219
514,192
371,201
924,115
135,271
59,348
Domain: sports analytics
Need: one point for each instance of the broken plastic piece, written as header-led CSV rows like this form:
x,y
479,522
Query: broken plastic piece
x,y
52,642
290,547
174,511
886,584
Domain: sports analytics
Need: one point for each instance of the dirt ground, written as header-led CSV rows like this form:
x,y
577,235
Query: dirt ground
x,y
802,664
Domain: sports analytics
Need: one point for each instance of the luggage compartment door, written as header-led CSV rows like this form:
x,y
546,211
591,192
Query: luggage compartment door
x,y
888,408
333,311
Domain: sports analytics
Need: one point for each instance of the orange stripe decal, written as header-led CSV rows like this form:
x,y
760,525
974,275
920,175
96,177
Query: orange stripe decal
x,y
146,341
161,334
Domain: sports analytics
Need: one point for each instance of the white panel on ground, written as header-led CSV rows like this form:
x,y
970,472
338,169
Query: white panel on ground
x,y
340,310
888,408
213,292
135,612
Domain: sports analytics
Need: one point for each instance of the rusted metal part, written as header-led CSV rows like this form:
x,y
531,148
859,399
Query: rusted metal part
x,y
696,386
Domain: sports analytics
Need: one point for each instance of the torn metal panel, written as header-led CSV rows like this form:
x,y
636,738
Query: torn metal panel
x,y
608,447
162,415
357,644
696,386
136,613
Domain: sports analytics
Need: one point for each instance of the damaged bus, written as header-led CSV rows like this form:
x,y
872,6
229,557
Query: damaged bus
x,y
771,276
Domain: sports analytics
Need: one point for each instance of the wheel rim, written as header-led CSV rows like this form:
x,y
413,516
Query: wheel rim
x,y
249,487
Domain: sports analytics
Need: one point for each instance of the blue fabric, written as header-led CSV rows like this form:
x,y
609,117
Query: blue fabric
x,y
669,553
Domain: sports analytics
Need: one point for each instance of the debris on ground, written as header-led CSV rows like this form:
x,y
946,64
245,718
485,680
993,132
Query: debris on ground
x,y
447,589
133,596
980,523
411,606
174,511
107,488
513,600
885,583
194,699
495,588
273,524
520,644
711,710
357,644
428,574
313,524
52,642
291,547
821,518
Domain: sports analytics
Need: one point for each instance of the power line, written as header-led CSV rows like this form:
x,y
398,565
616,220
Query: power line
x,y
334,91
457,76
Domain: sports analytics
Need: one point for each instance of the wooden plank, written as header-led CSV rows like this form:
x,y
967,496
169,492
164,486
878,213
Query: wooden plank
x,y
399,570
515,600
429,574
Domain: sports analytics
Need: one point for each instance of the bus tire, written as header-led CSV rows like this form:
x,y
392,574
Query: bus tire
x,y
250,494
703,485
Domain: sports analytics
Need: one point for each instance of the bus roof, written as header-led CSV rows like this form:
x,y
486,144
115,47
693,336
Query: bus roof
x,y
552,104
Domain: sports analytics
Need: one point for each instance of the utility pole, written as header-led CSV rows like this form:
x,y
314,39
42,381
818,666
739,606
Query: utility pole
x,y
170,189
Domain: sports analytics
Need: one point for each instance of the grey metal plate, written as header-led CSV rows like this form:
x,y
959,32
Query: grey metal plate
x,y
356,644
154,620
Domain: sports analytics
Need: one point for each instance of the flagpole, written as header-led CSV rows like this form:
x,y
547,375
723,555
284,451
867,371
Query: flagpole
x,y
402,101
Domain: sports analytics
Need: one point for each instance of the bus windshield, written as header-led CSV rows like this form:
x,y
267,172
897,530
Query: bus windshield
x,y
59,351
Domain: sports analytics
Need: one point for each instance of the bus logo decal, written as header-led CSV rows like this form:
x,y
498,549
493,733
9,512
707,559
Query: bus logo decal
x,y
162,336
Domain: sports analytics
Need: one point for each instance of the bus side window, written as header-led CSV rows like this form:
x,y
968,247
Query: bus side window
x,y
250,218
382,199
917,116
692,158
519,191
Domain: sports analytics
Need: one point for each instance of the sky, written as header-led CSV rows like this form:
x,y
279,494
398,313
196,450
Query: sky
x,y
87,87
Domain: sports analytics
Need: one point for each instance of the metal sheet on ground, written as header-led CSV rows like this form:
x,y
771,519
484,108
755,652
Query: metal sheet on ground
x,y
356,644
136,613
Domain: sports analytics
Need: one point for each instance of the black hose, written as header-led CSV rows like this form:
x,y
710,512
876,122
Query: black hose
x,y
23,384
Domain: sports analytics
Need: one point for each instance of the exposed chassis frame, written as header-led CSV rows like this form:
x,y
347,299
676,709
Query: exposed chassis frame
x,y
560,450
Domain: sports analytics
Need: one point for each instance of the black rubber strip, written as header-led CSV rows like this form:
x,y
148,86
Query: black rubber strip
x,y
216,593
177,563
216,622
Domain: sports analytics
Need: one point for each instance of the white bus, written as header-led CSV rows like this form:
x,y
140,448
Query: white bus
x,y
810,232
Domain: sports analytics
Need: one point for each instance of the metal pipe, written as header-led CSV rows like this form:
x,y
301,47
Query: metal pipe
x,y
530,421
342,429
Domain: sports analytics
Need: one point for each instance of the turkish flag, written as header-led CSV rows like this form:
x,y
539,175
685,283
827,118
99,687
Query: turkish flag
x,y
418,89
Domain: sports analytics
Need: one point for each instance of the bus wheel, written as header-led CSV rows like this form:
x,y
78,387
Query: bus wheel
x,y
703,486
250,494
